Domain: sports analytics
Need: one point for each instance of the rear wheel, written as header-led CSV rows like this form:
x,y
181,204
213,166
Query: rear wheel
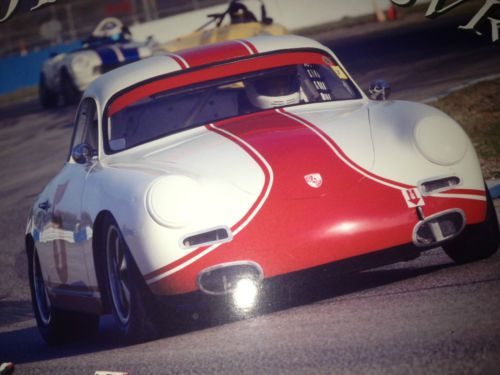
x,y
48,98
478,241
55,325
130,298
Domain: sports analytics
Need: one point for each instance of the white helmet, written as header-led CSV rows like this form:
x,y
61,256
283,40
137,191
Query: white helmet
x,y
279,88
108,27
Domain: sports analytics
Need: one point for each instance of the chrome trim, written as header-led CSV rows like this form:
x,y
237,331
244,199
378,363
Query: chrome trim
x,y
435,178
434,216
227,265
225,227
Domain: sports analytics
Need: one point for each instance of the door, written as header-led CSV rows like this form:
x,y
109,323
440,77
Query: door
x,y
66,231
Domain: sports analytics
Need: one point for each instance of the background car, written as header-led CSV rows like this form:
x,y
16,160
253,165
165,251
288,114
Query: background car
x,y
216,170
242,24
67,75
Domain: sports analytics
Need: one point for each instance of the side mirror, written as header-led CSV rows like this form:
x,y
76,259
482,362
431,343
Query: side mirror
x,y
82,153
379,90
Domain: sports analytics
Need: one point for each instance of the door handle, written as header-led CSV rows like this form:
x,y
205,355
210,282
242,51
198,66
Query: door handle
x,y
44,205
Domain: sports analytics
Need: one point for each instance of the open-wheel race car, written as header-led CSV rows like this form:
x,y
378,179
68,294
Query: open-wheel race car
x,y
213,171
67,75
242,24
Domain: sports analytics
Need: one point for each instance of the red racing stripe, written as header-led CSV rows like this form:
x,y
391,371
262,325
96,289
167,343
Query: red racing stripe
x,y
343,155
212,72
179,60
235,229
214,53
300,226
249,45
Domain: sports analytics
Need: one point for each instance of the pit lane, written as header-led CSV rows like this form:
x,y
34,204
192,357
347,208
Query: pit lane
x,y
427,315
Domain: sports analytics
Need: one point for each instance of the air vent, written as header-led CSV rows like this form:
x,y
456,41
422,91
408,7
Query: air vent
x,y
208,237
440,184
439,227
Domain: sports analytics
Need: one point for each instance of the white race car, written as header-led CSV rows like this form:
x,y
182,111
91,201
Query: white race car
x,y
67,75
216,170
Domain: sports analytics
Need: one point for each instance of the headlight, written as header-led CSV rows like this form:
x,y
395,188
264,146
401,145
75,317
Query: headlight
x,y
173,200
245,294
440,140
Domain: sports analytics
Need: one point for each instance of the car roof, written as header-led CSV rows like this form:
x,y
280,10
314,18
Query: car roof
x,y
105,86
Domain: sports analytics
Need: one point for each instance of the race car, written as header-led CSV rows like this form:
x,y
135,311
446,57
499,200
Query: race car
x,y
242,24
214,171
67,75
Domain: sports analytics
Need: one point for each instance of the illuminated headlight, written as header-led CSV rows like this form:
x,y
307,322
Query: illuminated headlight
x,y
173,200
440,140
245,294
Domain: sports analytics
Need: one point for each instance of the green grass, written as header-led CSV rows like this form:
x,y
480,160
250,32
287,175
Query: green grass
x,y
477,109
19,95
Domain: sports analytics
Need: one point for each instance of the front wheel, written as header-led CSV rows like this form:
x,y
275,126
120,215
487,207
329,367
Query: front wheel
x,y
55,325
130,300
48,98
71,94
478,241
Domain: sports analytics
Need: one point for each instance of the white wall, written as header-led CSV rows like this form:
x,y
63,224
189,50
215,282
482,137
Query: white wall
x,y
293,14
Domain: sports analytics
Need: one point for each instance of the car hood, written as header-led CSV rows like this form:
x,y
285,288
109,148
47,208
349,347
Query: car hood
x,y
248,151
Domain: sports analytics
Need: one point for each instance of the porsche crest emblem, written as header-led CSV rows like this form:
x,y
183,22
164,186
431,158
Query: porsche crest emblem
x,y
314,180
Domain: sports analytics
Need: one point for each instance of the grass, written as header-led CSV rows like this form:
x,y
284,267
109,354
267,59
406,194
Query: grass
x,y
477,109
19,95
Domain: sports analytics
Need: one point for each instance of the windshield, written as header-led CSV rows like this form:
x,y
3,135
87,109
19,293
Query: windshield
x,y
162,112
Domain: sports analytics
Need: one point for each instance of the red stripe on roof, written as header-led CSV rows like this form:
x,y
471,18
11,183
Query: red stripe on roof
x,y
215,52
212,72
178,60
236,227
249,45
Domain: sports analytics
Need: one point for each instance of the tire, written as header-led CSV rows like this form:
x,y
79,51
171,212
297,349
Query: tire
x,y
48,98
71,95
56,326
131,301
478,241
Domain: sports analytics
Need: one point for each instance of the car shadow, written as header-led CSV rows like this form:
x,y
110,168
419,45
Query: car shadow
x,y
25,345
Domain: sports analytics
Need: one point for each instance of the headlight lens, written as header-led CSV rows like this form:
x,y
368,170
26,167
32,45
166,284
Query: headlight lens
x,y
172,201
440,140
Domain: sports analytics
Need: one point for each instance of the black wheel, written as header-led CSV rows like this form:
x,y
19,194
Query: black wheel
x,y
130,299
478,241
55,325
71,95
48,98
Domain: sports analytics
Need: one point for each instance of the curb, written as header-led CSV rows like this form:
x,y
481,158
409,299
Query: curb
x,y
459,87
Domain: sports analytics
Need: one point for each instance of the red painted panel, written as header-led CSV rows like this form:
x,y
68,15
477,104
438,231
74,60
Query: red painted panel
x,y
214,52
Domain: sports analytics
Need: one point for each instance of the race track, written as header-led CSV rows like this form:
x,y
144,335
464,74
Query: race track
x,y
423,316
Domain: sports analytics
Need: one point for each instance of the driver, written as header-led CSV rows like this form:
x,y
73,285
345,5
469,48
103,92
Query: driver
x,y
239,13
279,88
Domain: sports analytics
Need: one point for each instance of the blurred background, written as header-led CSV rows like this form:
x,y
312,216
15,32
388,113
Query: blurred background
x,y
27,38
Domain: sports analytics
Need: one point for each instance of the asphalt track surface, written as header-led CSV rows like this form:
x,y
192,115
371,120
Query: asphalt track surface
x,y
423,316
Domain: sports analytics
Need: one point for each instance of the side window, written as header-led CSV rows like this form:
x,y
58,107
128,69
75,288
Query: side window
x,y
86,126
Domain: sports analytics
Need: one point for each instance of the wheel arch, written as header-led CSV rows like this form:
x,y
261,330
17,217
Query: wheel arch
x,y
99,256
